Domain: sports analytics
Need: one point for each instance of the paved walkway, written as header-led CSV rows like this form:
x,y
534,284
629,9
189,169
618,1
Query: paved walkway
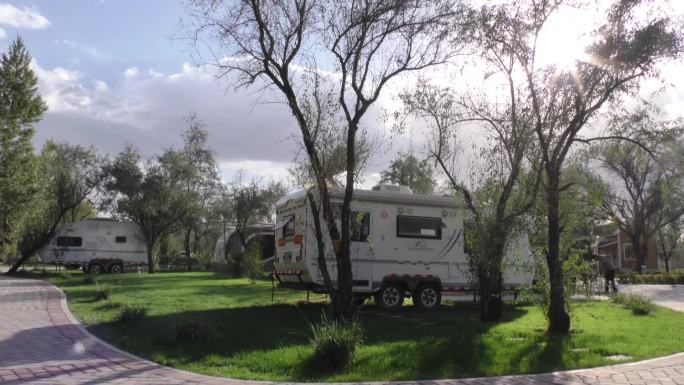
x,y
41,343
671,296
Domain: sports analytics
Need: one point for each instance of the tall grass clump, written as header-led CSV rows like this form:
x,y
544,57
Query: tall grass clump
x,y
192,331
639,304
102,292
130,314
336,344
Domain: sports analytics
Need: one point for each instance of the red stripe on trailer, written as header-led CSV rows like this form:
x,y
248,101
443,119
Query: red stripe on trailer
x,y
419,275
429,275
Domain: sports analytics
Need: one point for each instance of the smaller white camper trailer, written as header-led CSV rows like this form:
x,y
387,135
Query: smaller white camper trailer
x,y
96,245
402,245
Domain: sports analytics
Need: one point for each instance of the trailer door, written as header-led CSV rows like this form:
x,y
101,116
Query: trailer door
x,y
361,249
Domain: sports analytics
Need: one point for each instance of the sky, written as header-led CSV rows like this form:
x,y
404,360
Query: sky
x,y
112,73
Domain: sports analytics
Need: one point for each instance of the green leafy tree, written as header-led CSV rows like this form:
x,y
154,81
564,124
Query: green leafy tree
x,y
647,177
69,175
151,193
407,170
365,44
21,106
503,187
627,47
253,202
667,241
201,181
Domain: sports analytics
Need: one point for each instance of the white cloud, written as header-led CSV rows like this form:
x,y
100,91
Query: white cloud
x,y
255,169
61,88
147,110
101,86
131,72
22,18
76,45
3,34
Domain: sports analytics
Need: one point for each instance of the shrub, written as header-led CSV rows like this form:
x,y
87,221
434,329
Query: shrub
x,y
191,331
102,292
620,299
336,344
89,279
131,314
253,266
639,304
247,263
64,275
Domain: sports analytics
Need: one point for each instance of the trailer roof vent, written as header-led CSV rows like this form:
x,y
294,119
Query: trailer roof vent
x,y
393,188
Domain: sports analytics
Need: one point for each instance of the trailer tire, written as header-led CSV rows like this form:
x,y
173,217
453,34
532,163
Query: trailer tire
x,y
94,268
390,296
116,268
427,296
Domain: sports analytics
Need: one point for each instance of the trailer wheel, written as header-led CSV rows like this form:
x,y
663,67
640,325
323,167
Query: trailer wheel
x,y
94,268
390,296
116,268
427,296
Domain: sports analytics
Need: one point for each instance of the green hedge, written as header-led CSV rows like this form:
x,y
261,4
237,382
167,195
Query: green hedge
x,y
662,278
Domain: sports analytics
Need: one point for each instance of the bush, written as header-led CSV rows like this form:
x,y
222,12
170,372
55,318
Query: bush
x,y
336,344
131,314
657,278
64,275
89,279
102,292
247,263
191,331
639,304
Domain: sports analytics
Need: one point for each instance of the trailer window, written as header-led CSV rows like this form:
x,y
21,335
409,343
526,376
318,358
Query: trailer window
x,y
289,228
360,226
69,241
419,227
120,239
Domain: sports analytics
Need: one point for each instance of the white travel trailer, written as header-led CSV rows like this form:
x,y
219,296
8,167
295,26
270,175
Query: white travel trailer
x,y
96,245
403,244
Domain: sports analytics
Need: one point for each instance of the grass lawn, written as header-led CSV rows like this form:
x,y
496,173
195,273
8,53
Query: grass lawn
x,y
256,339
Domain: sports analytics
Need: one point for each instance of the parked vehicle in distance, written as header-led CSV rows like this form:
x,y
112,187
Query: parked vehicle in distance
x,y
97,246
260,235
402,245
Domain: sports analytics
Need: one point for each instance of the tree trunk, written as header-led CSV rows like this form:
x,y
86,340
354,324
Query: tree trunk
x,y
637,249
644,252
489,273
186,244
225,243
559,320
150,257
322,263
344,308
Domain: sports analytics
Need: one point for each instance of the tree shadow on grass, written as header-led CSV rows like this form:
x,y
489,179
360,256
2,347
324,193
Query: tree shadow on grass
x,y
443,343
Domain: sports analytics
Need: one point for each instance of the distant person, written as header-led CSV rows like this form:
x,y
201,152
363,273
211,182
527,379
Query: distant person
x,y
608,271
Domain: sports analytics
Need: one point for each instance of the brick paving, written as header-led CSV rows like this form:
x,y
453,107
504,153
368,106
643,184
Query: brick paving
x,y
41,343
